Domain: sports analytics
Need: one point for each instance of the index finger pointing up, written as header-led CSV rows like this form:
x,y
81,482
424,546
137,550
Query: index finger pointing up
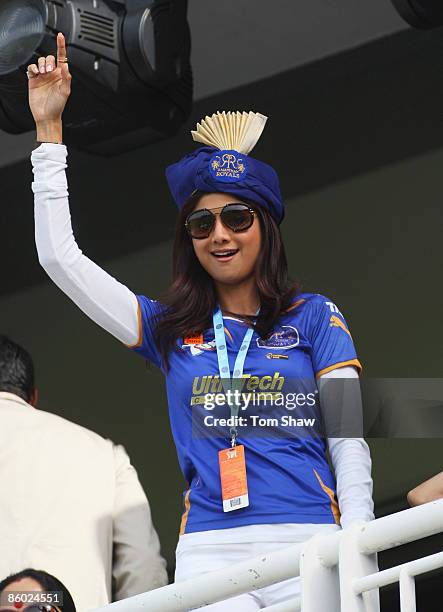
x,y
61,48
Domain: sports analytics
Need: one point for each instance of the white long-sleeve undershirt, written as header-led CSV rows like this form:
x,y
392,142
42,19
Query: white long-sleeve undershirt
x,y
352,464
106,301
114,307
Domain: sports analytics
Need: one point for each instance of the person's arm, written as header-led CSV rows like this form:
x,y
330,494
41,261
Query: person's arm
x,y
138,565
334,356
352,464
109,303
427,491
106,301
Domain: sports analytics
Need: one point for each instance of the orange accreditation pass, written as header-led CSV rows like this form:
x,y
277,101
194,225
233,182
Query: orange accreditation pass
x,y
195,339
233,479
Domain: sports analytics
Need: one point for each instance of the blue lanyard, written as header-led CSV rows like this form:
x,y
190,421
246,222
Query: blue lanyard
x,y
223,362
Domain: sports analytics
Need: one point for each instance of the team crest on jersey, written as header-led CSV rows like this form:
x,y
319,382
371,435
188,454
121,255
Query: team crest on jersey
x,y
286,338
198,349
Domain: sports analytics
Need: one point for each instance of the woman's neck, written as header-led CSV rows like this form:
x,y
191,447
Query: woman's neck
x,y
242,298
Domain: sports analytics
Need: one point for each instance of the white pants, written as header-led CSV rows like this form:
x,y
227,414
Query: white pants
x,y
212,550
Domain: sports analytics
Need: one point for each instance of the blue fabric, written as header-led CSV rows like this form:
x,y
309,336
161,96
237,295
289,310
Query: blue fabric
x,y
283,486
252,179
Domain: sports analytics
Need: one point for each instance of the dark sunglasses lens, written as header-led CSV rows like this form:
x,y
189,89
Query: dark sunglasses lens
x,y
200,224
237,217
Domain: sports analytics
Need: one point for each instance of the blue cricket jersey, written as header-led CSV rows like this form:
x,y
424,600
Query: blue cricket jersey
x,y
289,478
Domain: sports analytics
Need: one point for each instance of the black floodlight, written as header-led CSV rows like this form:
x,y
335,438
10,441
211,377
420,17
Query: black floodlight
x,y
129,60
423,14
22,27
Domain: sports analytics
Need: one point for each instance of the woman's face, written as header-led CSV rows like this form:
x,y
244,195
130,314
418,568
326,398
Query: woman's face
x,y
241,265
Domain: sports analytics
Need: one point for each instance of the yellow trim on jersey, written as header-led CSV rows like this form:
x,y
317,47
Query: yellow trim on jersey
x,y
336,322
140,329
330,493
295,304
185,513
352,362
228,333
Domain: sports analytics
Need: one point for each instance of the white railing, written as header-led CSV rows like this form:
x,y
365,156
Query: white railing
x,y
339,572
356,546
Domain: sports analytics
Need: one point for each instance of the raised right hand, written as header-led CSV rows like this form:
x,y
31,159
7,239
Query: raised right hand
x,y
49,85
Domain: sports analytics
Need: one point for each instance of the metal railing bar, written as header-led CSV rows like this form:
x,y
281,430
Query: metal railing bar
x,y
211,587
402,527
392,574
366,539
408,602
328,549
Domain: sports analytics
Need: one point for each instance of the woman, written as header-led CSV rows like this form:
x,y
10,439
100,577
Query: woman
x,y
229,312
37,591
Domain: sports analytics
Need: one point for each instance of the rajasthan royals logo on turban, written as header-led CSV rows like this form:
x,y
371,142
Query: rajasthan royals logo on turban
x,y
286,338
228,166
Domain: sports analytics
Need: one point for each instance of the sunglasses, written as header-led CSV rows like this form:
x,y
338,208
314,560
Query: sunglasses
x,y
237,217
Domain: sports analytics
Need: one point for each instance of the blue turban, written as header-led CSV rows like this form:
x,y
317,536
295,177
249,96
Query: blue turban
x,y
209,170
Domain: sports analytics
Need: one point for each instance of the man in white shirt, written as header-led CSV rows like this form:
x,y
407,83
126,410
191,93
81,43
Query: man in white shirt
x,y
70,501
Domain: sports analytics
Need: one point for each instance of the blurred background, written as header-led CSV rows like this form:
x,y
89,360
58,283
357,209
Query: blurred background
x,y
354,98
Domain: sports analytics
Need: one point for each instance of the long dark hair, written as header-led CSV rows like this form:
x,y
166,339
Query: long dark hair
x,y
191,298
16,369
48,583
